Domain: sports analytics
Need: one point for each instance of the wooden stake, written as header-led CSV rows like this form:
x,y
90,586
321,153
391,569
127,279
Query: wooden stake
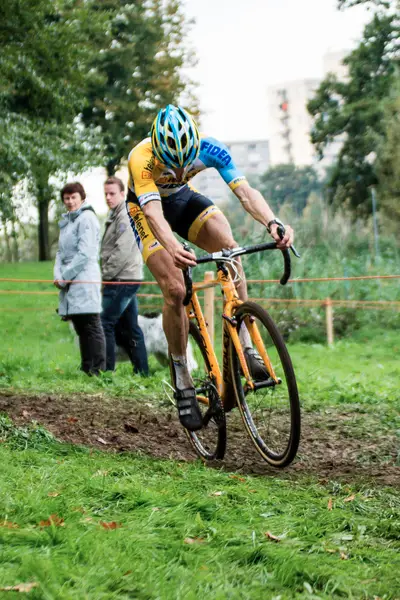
x,y
329,321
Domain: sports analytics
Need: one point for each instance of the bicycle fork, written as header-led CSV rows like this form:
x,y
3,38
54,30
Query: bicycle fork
x,y
231,331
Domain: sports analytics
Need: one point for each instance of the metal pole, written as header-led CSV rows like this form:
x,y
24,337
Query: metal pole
x,y
375,222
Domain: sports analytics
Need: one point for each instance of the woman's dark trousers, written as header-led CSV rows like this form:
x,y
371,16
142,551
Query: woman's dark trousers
x,y
92,342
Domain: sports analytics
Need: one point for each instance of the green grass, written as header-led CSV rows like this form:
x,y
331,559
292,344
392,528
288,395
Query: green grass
x,y
351,551
39,353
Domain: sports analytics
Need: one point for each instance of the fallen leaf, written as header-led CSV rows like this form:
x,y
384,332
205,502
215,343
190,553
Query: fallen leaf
x,y
110,525
20,587
72,419
252,491
330,503
237,477
216,494
330,550
26,414
155,508
100,473
130,428
343,556
127,573
349,498
190,540
52,520
79,509
8,525
271,537
99,439
53,494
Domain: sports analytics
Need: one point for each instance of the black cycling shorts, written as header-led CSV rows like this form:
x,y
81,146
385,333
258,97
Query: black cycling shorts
x,y
186,212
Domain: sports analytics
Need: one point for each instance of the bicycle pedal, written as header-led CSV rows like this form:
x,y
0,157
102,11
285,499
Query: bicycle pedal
x,y
259,385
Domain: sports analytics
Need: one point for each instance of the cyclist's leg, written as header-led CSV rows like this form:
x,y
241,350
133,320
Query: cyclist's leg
x,y
168,276
170,281
175,321
216,234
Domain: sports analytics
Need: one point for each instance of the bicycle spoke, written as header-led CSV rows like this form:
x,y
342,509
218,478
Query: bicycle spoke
x,y
270,413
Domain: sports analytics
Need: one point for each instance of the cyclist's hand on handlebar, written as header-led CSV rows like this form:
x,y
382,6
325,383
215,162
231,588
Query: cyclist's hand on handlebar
x,y
288,236
183,258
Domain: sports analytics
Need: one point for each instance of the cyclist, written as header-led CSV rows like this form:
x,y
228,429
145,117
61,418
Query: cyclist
x,y
161,201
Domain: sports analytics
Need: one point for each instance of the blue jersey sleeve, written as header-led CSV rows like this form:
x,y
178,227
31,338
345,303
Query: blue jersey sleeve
x,y
215,154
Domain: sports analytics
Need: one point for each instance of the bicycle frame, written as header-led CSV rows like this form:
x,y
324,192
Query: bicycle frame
x,y
230,331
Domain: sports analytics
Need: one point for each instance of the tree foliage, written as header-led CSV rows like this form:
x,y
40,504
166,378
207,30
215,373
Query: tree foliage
x,y
138,70
43,57
288,184
388,158
74,73
43,75
352,110
342,4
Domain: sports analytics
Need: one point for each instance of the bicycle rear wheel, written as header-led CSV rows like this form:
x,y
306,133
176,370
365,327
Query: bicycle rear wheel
x,y
210,441
270,414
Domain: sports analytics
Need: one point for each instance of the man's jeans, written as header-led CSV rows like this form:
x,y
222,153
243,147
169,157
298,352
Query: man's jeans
x,y
120,307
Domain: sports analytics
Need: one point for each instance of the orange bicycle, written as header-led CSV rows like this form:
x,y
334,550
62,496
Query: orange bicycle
x,y
270,408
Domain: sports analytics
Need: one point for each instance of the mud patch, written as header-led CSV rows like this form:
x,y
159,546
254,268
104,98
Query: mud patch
x,y
328,448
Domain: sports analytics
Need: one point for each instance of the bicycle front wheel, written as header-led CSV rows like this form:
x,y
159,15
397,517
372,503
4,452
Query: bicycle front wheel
x,y
210,441
271,413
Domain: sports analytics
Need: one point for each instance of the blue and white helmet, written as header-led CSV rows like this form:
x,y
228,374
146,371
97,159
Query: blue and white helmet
x,y
175,137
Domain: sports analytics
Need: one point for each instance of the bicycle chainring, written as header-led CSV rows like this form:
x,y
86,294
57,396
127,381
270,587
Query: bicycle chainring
x,y
216,409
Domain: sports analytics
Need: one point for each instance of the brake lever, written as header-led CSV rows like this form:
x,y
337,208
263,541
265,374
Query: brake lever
x,y
281,233
293,249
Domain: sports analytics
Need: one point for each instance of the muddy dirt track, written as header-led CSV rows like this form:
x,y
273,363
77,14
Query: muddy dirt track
x,y
328,448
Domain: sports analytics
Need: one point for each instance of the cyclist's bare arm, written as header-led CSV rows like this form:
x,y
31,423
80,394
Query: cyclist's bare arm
x,y
163,233
254,203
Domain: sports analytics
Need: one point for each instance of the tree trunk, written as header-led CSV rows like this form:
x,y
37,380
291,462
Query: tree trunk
x,y
7,241
14,234
111,166
43,198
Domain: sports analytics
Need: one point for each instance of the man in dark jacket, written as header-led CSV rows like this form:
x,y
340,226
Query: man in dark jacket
x,y
121,262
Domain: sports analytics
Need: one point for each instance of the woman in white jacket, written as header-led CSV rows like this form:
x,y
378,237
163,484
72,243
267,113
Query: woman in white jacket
x,y
78,259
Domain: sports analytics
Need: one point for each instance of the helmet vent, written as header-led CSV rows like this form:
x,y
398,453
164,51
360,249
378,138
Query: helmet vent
x,y
175,139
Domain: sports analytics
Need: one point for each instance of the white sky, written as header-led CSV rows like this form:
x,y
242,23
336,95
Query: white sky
x,y
242,47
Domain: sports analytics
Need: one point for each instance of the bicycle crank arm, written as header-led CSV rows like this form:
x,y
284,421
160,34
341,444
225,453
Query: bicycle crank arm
x,y
261,384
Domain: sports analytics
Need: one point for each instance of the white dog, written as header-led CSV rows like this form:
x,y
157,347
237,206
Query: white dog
x,y
155,341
